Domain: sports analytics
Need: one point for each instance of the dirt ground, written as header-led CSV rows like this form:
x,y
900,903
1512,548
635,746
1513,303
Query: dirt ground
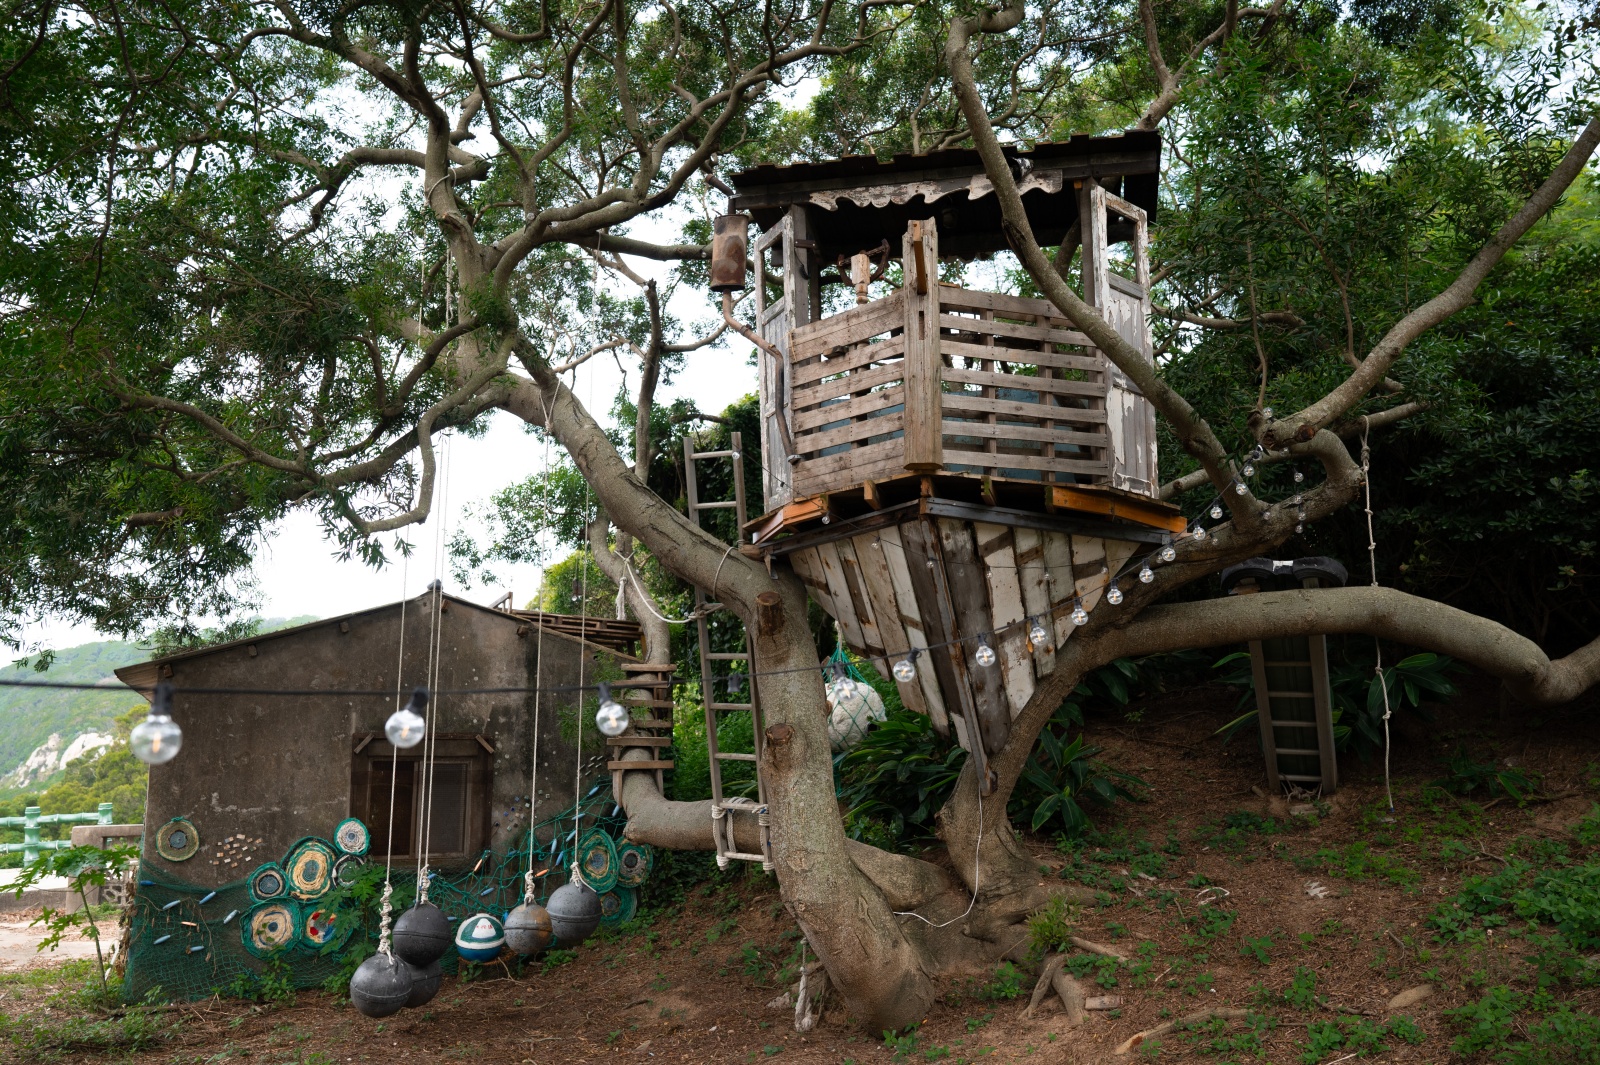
x,y
1311,919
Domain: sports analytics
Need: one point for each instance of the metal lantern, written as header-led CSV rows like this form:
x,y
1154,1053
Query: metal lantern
x,y
528,929
424,983
422,934
574,913
729,252
381,986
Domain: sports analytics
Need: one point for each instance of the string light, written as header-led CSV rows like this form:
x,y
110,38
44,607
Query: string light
x,y
1079,615
157,739
1249,469
905,670
1146,574
612,717
406,726
1298,476
984,655
1114,594
1198,531
1037,632
1238,487
1168,553
1216,511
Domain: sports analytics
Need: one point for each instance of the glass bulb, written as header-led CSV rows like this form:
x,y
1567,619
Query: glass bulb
x,y
905,671
1114,594
157,739
1266,412
1298,476
1299,528
1216,510
827,519
737,456
1079,615
1238,488
1249,469
984,655
1199,532
406,726
1146,574
612,717
1037,632
1168,553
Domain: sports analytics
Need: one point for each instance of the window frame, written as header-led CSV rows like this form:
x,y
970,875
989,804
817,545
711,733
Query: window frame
x,y
370,749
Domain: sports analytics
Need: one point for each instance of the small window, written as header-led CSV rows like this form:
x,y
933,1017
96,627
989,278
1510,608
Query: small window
x,y
462,783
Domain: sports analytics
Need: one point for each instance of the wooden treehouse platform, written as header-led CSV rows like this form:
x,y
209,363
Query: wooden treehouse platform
x,y
947,467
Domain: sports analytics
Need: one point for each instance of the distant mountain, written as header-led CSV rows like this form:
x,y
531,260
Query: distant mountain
x,y
29,717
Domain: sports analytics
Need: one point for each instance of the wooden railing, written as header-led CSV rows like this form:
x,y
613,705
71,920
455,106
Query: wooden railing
x,y
1018,393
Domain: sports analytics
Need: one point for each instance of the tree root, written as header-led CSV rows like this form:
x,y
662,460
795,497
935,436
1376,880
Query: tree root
x,y
1097,948
1136,1040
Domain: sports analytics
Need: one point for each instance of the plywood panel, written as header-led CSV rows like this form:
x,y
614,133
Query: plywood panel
x,y
872,557
969,599
844,611
996,545
866,620
1089,569
916,631
1058,570
1031,573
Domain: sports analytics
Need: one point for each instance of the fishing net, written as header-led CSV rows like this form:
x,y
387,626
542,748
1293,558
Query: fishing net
x,y
187,942
854,706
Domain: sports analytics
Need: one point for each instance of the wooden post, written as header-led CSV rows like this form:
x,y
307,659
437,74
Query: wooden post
x,y
924,440
861,274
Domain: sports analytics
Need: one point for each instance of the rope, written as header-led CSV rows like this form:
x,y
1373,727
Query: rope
x,y
529,895
435,657
1372,562
583,625
977,867
384,945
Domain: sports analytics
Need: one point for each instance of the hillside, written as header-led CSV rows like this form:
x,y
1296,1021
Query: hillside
x,y
28,717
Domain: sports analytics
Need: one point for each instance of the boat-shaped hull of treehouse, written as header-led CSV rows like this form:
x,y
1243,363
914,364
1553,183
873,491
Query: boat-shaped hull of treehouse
x,y
945,466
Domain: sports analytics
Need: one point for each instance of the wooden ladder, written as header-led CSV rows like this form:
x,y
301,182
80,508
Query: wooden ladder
x,y
725,808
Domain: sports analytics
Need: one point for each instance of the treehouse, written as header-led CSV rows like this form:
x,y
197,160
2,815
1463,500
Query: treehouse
x,y
957,475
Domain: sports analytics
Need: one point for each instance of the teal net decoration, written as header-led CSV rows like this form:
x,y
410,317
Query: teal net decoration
x,y
270,927
618,906
352,837
597,860
231,958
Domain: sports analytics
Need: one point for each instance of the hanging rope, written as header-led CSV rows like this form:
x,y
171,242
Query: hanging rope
x,y
1372,562
435,657
583,625
384,916
529,895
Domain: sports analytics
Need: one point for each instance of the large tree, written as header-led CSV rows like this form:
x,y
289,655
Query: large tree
x,y
259,255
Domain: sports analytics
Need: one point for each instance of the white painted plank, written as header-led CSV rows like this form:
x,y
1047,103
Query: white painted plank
x,y
860,601
843,610
807,566
894,553
1005,605
1058,573
1031,574
1089,569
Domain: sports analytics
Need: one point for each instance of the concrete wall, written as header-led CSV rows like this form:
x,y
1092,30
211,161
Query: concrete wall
x,y
277,768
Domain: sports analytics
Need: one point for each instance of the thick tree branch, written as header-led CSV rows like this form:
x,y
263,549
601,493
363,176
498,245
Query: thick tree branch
x,y
1455,297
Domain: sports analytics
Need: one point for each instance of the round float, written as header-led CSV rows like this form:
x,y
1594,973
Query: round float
x,y
528,929
597,858
480,938
381,986
352,837
267,883
309,869
271,927
634,862
422,934
177,840
574,913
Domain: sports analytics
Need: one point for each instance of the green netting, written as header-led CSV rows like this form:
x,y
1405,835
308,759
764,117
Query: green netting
x,y
188,942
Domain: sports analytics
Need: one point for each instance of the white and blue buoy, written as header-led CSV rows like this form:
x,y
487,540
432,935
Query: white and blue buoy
x,y
480,938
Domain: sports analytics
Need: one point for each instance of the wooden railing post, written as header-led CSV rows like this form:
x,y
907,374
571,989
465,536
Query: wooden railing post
x,y
924,414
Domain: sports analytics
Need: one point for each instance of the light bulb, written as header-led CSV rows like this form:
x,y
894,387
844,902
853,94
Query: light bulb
x,y
406,726
612,717
737,456
1114,594
1216,510
905,671
1037,632
1298,476
1168,553
1198,532
1249,469
157,739
1266,412
827,519
984,655
1079,615
1146,574
1299,528
1238,488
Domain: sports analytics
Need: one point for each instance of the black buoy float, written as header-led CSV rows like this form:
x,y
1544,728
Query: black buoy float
x,y
574,913
381,986
424,983
422,934
528,929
